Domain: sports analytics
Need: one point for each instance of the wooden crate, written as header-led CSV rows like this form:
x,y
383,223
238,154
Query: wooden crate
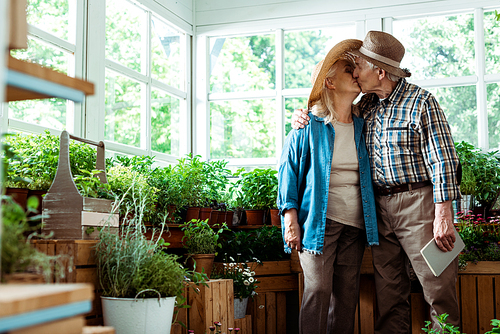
x,y
244,324
83,270
212,303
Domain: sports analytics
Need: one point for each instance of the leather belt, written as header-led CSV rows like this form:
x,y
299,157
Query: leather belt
x,y
388,191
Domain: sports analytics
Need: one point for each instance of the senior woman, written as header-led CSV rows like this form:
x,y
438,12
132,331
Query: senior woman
x,y
326,196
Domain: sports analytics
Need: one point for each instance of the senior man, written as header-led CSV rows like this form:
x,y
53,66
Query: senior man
x,y
414,166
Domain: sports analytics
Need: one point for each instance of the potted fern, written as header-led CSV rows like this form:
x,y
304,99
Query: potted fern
x,y
140,281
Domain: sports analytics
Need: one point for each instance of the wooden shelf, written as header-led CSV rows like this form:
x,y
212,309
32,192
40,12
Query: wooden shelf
x,y
28,81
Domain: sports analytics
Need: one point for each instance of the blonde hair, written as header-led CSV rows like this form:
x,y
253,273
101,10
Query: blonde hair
x,y
324,106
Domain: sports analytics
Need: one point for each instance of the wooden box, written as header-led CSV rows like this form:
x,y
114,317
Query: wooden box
x,y
66,213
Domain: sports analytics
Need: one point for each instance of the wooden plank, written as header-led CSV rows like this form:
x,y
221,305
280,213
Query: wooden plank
x,y
259,320
301,288
94,320
281,312
367,263
176,329
17,299
217,301
230,303
469,303
278,283
98,330
482,267
418,312
197,311
48,74
100,219
97,205
366,304
356,320
244,324
85,252
295,262
73,325
485,302
497,297
209,305
271,268
271,313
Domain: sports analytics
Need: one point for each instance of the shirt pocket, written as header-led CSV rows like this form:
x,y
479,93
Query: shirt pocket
x,y
401,138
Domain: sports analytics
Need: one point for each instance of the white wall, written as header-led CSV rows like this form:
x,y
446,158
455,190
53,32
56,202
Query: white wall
x,y
226,16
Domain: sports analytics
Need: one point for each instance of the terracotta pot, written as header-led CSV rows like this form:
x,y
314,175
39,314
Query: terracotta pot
x,y
205,214
171,213
214,217
19,195
192,213
203,261
255,217
275,217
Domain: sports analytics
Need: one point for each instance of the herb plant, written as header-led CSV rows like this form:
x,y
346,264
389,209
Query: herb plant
x,y
256,190
200,238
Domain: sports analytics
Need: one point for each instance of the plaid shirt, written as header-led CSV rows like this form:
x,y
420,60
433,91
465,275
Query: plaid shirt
x,y
409,140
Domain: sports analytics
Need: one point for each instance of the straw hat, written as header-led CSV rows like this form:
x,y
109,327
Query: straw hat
x,y
341,50
385,51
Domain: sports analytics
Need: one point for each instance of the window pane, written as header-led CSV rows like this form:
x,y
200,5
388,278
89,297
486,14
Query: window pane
x,y
46,55
124,28
459,106
492,42
494,115
438,46
165,123
123,110
243,129
290,105
167,54
304,49
50,113
53,16
242,64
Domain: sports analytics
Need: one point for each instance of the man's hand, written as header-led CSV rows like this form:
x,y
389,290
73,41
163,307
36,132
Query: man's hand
x,y
292,229
300,118
444,230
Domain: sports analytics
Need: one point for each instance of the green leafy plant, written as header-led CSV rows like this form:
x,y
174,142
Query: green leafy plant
x,y
481,170
201,238
481,238
447,328
129,263
243,276
257,189
89,185
264,244
17,254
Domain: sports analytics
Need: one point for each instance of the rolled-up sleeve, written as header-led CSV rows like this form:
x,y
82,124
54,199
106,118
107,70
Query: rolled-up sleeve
x,y
288,173
439,152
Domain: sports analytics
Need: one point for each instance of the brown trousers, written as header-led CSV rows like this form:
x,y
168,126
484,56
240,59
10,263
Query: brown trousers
x,y
331,281
405,223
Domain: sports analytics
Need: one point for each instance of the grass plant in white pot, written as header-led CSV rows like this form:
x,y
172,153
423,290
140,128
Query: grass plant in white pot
x,y
139,280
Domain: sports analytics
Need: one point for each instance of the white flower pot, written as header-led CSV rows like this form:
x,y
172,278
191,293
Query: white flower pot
x,y
240,307
138,316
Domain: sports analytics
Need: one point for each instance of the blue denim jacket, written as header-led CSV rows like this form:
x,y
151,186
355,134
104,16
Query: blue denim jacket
x,y
304,180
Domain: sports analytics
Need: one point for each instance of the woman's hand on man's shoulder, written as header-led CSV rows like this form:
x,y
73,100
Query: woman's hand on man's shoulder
x,y
300,118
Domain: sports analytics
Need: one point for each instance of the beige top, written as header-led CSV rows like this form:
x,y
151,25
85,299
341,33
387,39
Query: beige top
x,y
344,195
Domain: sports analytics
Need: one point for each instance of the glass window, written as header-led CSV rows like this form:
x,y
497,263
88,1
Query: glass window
x,y
165,118
304,49
243,129
493,102
460,107
242,64
492,42
123,109
54,16
50,113
125,24
437,46
167,54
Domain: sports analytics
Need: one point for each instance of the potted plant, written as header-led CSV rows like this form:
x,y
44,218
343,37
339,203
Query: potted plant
x,y
244,283
140,281
485,167
201,242
258,192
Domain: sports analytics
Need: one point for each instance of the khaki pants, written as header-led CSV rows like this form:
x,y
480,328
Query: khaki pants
x,y
331,281
405,223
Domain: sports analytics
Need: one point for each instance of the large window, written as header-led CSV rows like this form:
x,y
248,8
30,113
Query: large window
x,y
444,54
254,89
52,42
145,82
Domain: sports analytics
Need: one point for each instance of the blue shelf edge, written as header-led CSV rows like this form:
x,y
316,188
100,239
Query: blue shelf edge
x,y
28,82
44,315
